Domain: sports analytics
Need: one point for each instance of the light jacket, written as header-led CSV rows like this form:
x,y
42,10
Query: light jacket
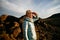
x,y
29,29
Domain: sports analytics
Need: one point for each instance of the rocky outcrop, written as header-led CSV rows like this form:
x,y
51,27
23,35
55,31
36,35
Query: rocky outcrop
x,y
11,28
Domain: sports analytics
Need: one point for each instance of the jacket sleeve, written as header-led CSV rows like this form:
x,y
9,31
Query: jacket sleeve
x,y
25,28
35,18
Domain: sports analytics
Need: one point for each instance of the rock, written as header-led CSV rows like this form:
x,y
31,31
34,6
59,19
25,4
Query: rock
x,y
16,32
3,17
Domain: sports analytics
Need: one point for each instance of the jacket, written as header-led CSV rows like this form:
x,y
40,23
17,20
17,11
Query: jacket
x,y
29,29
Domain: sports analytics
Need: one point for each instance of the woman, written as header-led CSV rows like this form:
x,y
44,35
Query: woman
x,y
28,26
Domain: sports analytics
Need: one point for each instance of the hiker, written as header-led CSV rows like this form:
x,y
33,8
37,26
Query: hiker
x,y
28,25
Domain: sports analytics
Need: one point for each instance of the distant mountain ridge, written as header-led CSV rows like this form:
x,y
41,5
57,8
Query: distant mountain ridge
x,y
54,19
57,15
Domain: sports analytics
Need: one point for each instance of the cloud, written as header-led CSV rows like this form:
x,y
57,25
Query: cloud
x,y
44,8
16,8
11,6
54,10
20,7
49,9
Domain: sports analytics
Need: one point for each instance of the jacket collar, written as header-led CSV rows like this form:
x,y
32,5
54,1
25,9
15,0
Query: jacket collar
x,y
29,19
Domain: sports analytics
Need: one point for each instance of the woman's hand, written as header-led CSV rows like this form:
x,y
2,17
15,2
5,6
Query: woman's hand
x,y
34,14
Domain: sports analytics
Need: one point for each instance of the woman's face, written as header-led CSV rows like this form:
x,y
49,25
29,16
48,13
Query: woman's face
x,y
29,14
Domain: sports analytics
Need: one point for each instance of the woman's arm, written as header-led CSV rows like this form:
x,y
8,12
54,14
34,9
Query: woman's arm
x,y
35,16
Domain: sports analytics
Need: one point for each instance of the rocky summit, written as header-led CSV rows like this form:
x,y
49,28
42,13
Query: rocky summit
x,y
46,29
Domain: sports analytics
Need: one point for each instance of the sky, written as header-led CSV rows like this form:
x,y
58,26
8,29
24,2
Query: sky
x,y
44,8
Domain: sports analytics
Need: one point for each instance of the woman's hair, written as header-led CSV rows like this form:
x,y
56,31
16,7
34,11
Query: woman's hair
x,y
27,12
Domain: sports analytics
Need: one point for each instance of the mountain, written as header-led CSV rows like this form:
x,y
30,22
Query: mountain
x,y
54,20
46,29
57,15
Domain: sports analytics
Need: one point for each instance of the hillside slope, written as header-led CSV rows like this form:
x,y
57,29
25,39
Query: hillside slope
x,y
46,29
